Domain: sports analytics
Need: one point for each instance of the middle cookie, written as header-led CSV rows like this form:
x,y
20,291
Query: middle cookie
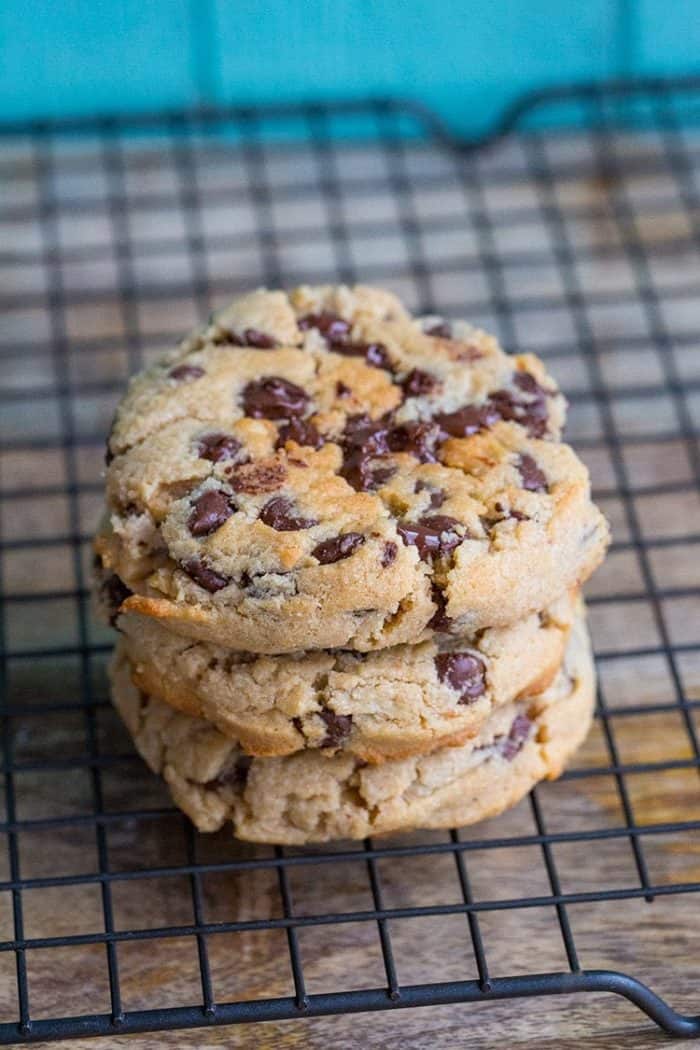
x,y
390,704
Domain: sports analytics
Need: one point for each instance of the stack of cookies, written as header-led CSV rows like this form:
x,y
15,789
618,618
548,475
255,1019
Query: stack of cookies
x,y
342,548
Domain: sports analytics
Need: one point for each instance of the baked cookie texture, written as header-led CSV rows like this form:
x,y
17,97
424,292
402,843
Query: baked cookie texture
x,y
388,704
320,470
312,797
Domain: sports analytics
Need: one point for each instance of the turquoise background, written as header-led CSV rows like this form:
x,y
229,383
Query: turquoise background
x,y
467,59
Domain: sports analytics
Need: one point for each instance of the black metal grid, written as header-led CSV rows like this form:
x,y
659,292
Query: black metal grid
x,y
115,235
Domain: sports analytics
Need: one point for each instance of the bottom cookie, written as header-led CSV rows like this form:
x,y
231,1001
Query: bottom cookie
x,y
310,797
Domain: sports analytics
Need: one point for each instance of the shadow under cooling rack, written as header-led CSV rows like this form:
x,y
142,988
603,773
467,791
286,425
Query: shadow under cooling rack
x,y
583,245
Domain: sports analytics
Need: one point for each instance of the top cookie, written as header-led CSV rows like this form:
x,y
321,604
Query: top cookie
x,y
320,470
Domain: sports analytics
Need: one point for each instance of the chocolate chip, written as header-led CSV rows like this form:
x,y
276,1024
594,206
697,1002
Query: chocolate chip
x,y
465,672
504,515
301,431
113,592
363,440
185,373
338,547
377,474
377,354
342,389
437,496
439,621
332,327
532,476
337,727
389,554
274,398
256,584
254,478
234,775
242,769
218,447
207,578
531,413
526,381
431,535
255,338
279,514
504,404
418,383
517,735
209,512
418,438
109,455
439,330
467,420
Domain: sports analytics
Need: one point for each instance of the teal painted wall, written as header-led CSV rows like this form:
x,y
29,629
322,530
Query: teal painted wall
x,y
467,58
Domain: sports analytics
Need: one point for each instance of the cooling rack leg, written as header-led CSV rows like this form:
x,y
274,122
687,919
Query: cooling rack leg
x,y
651,1004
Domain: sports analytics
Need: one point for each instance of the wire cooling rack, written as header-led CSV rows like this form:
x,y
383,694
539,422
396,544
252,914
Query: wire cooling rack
x,y
582,244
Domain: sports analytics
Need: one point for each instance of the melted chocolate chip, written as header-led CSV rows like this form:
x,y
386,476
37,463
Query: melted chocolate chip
x,y
418,383
517,735
465,672
389,554
254,478
342,389
439,621
274,398
207,578
338,547
279,514
431,535
113,592
440,330
337,727
332,327
420,439
437,496
467,420
209,512
255,338
532,476
218,447
301,431
185,373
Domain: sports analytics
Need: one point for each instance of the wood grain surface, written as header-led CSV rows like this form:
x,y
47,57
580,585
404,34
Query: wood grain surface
x,y
52,737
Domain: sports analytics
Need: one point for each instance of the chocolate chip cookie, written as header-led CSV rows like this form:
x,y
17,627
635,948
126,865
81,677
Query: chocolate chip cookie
x,y
392,703
309,797
319,469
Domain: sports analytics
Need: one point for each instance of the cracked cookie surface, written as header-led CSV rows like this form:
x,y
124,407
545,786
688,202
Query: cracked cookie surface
x,y
309,797
319,469
388,704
